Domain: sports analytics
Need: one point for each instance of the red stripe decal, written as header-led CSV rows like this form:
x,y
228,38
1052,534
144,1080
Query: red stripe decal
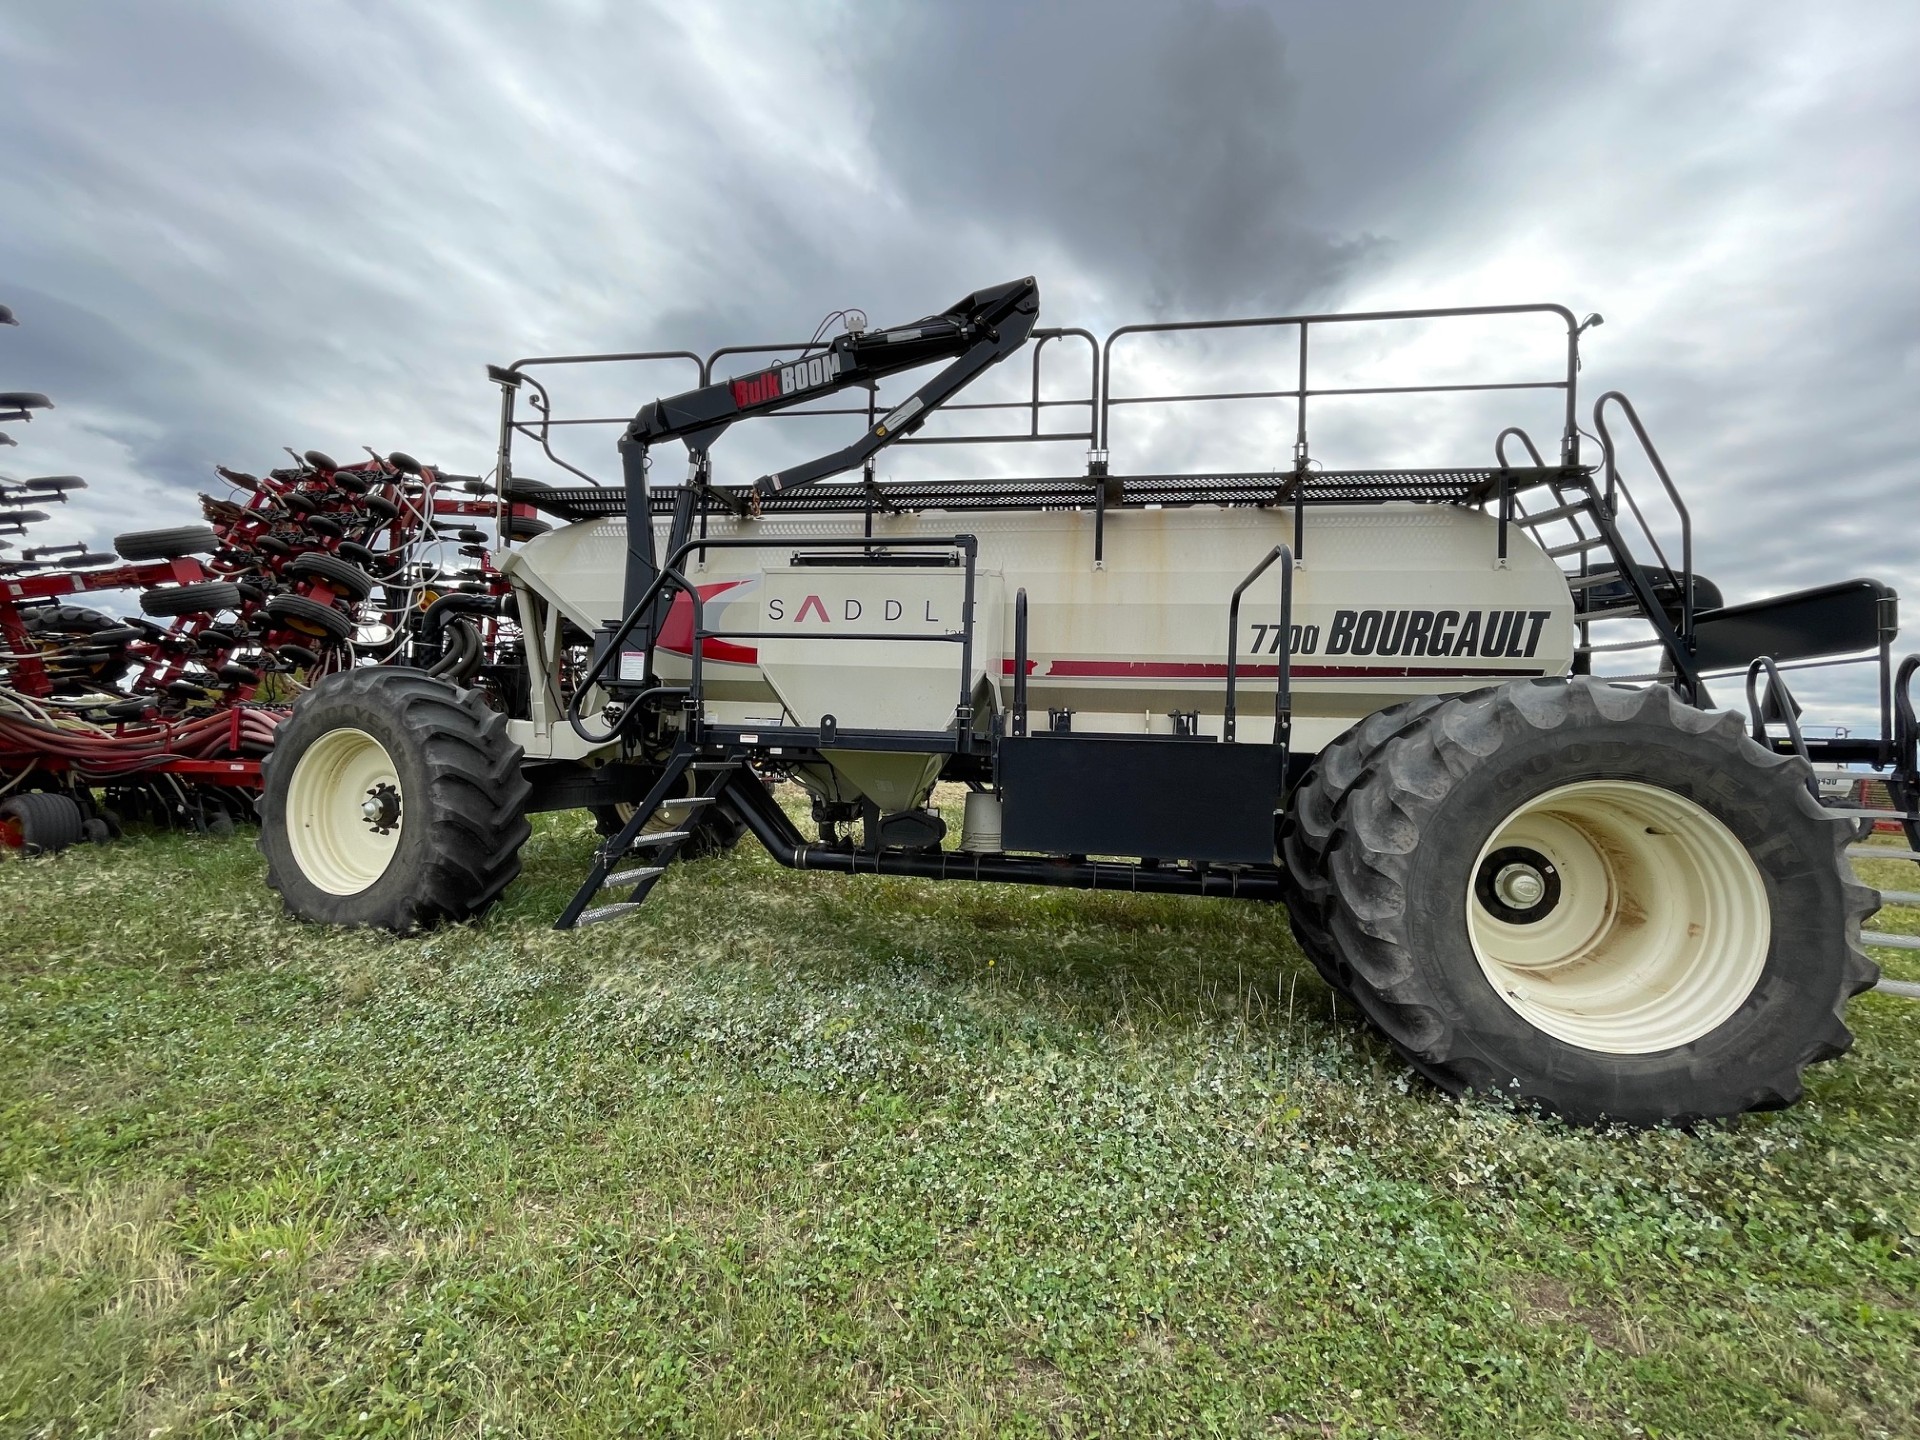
x,y
676,635
1213,670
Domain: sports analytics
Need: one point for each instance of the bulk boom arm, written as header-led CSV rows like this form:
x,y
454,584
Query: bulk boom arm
x,y
976,332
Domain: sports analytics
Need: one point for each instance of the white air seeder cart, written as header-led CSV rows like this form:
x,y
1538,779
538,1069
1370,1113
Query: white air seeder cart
x,y
1363,693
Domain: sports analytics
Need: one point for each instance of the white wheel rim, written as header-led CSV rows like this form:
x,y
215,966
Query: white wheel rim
x,y
1658,931
344,811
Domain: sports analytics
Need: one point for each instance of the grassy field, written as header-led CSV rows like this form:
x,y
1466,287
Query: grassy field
x,y
793,1155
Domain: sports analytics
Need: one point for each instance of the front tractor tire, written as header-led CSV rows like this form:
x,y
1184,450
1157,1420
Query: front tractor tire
x,y
1596,901
392,799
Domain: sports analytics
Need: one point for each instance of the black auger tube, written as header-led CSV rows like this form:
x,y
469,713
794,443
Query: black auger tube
x,y
771,827
455,604
462,655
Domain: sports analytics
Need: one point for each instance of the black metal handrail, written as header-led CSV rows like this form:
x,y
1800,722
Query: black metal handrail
x,y
1782,699
1570,440
510,378
1906,730
1283,697
1610,456
1500,446
1099,398
1020,661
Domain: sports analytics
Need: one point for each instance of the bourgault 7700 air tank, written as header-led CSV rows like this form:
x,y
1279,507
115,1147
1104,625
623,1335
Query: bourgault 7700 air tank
x,y
1362,692
1391,602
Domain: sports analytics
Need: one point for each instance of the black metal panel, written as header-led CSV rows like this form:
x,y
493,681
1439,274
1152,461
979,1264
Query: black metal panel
x,y
564,785
1842,619
1159,798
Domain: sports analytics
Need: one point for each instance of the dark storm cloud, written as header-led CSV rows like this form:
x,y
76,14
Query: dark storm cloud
x,y
1157,142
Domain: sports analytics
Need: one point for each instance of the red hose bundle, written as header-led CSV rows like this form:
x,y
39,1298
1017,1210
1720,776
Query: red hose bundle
x,y
237,732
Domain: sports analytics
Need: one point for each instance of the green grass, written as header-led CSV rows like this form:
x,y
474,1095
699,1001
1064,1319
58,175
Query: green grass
x,y
791,1155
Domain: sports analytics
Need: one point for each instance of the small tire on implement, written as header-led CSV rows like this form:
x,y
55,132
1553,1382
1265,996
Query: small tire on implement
x,y
166,544
1600,901
342,576
201,598
392,799
310,617
1307,828
40,823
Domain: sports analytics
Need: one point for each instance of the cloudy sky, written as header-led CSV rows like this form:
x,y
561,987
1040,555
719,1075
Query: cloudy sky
x,y
228,227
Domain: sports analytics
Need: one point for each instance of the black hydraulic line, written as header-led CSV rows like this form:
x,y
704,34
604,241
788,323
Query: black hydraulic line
x,y
458,604
462,652
771,827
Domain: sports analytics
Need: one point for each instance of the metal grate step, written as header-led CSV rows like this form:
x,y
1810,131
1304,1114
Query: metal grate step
x,y
685,805
1317,487
633,877
606,912
1578,547
1577,583
1611,612
1559,512
654,839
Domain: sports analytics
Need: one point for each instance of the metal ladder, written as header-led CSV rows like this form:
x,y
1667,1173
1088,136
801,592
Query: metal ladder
x,y
652,850
1621,586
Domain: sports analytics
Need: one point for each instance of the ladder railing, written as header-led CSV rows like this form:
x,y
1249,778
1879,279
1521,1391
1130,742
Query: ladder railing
x,y
1283,695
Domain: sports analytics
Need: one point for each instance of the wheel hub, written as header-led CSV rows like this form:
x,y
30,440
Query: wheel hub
x,y
381,808
1517,884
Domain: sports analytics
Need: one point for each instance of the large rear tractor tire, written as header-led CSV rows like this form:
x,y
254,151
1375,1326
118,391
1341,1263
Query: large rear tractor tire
x,y
1597,901
392,799
1308,826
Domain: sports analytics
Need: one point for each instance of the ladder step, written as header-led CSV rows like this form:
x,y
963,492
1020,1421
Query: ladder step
x,y
1611,612
1577,547
1905,989
685,804
1559,512
1578,583
654,839
1881,852
607,912
1868,814
632,877
714,765
1900,897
